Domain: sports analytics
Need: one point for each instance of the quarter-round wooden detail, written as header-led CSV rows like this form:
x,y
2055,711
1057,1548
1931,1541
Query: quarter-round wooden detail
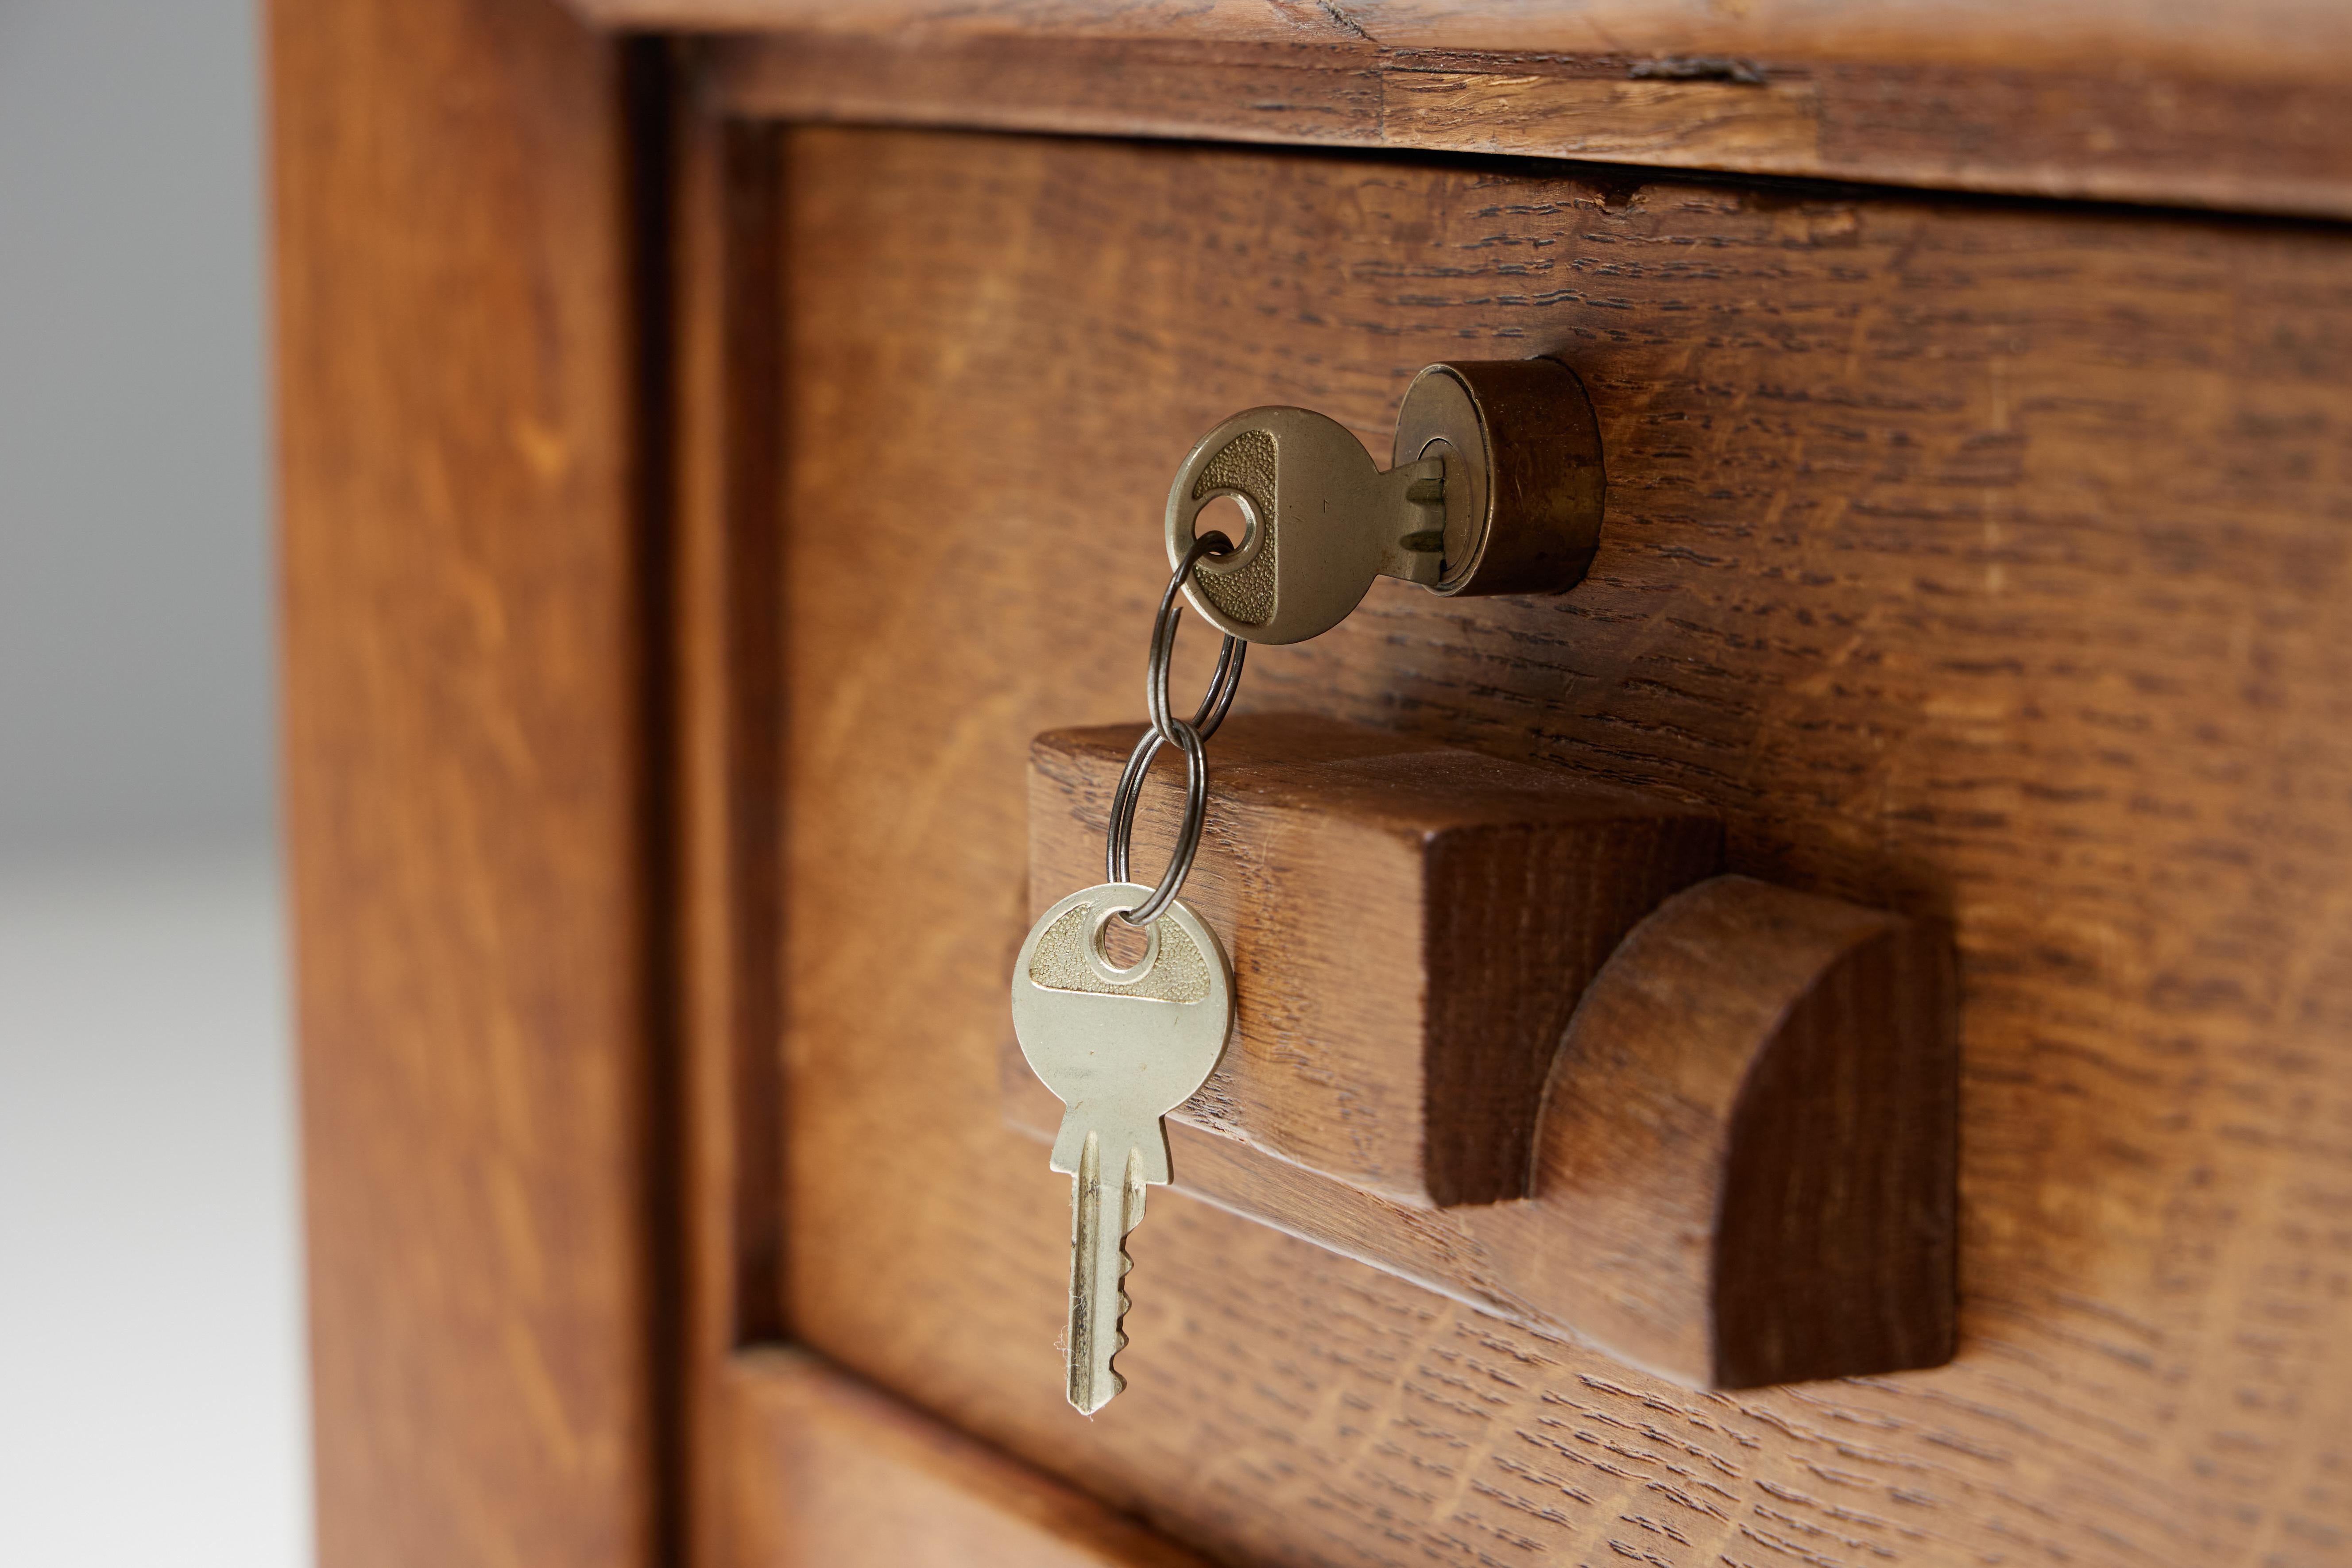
x,y
1744,1171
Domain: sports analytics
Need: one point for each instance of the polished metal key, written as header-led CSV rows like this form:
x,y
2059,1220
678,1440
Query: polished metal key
x,y
1120,1047
1324,520
1496,486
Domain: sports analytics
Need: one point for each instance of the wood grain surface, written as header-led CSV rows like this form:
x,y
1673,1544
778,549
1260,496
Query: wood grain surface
x,y
1981,563
2261,39
830,1473
465,778
726,348
787,1461
1410,926
2136,115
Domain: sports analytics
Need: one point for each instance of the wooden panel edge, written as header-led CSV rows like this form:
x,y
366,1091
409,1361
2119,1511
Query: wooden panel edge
x,y
2312,39
830,1470
461,554
727,370
2175,137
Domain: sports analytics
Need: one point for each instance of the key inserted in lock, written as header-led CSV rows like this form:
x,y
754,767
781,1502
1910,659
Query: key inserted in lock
x,y
1496,487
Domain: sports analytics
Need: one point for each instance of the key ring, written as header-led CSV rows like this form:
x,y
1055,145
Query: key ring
x,y
1167,729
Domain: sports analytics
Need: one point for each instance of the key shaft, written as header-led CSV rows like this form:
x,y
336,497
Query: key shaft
x,y
1106,1203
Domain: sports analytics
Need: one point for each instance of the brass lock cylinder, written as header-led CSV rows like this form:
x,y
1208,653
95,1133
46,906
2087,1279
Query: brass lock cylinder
x,y
1524,481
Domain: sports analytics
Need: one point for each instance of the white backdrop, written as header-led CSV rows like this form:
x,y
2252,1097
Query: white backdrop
x,y
150,1390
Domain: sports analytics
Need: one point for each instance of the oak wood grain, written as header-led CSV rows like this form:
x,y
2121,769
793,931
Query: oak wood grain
x,y
728,351
830,1473
1980,563
1411,926
789,1461
2263,40
465,778
1980,111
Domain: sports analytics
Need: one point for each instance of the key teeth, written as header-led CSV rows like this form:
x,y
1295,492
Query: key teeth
x,y
1119,1314
1117,1333
1093,1382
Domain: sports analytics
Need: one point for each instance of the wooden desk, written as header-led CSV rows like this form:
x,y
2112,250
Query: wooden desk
x,y
708,461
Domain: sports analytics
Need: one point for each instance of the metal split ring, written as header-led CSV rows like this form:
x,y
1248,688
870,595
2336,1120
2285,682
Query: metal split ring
x,y
1167,729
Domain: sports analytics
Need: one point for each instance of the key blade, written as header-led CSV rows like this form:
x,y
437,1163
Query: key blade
x,y
1105,1205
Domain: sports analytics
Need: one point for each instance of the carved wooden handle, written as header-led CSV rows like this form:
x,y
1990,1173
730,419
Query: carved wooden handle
x,y
1506,1032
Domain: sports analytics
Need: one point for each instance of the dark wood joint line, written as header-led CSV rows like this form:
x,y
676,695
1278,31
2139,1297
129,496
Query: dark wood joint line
x,y
2196,136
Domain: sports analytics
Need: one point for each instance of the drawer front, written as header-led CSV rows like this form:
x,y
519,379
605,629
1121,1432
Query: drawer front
x,y
1982,561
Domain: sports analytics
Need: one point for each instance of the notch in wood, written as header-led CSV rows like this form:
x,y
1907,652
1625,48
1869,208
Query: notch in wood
x,y
1507,1033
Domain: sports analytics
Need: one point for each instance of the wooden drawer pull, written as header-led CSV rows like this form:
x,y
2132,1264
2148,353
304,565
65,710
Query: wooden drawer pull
x,y
1592,1084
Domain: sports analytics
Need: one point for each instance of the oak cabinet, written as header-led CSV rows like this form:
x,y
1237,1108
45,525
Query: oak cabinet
x,y
708,463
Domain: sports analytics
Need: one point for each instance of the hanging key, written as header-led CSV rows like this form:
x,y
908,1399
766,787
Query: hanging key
x,y
1495,486
1120,1047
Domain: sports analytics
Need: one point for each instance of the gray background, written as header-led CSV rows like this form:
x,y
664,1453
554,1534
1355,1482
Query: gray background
x,y
134,600
151,1374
